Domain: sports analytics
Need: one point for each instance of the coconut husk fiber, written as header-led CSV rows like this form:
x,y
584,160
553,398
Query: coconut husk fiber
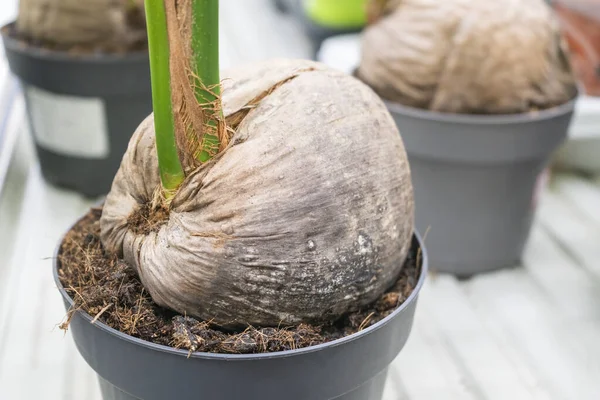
x,y
464,56
306,215
77,22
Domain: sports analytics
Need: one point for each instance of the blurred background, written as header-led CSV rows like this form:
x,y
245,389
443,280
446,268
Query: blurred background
x,y
530,332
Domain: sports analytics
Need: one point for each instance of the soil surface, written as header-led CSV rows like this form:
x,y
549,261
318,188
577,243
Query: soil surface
x,y
109,290
147,219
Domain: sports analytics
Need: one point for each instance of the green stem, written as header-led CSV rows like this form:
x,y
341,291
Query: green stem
x,y
205,63
171,171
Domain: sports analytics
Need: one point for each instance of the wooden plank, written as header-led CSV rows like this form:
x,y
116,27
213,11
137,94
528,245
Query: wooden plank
x,y
11,205
578,236
18,309
497,374
570,287
526,367
30,307
575,303
581,193
425,366
547,340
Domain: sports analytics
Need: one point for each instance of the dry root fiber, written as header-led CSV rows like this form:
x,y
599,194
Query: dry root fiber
x,y
305,216
464,56
109,25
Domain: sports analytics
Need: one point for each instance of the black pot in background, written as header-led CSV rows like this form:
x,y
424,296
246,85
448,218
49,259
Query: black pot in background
x,y
477,179
351,368
82,110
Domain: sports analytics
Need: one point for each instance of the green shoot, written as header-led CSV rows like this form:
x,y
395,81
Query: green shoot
x,y
205,65
171,171
171,123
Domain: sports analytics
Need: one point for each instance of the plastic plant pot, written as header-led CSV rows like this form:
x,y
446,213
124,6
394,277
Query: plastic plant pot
x,y
477,179
352,368
82,110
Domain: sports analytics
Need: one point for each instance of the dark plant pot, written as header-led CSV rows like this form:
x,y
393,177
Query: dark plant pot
x,y
351,368
82,110
476,180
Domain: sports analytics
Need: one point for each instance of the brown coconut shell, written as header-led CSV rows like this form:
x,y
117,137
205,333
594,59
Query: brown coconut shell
x,y
82,22
306,215
465,56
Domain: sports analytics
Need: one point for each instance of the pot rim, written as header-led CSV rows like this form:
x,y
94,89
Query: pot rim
x,y
483,119
246,357
41,53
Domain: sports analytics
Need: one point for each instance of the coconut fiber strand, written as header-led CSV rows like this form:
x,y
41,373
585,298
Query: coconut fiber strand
x,y
465,56
305,215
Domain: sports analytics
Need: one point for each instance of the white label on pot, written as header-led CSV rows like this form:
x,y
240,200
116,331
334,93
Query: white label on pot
x,y
68,125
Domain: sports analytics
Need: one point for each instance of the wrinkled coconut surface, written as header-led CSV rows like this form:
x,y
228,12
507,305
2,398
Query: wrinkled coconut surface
x,y
82,26
109,290
306,216
464,56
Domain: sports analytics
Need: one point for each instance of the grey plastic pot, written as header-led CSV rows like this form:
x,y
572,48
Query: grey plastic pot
x,y
351,368
82,110
476,180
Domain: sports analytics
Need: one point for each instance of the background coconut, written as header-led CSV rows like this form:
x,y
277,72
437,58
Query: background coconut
x,y
306,215
77,22
463,56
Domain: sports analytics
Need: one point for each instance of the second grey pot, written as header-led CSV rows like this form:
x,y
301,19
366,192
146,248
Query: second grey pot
x,y
476,180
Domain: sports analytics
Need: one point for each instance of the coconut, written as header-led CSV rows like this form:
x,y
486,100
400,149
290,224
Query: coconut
x,y
77,22
464,56
306,215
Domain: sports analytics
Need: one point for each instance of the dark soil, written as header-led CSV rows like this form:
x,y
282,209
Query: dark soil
x,y
109,290
147,219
